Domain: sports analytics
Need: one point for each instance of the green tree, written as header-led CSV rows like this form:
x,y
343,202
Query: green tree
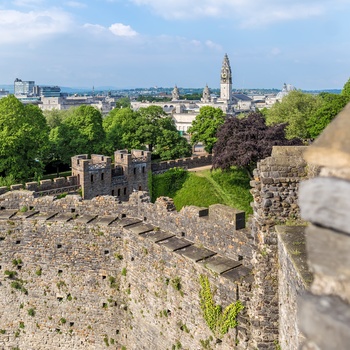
x,y
295,109
123,102
205,126
331,105
147,128
85,133
76,131
346,90
23,139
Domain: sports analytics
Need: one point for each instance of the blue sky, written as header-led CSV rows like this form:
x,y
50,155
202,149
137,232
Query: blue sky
x,y
144,43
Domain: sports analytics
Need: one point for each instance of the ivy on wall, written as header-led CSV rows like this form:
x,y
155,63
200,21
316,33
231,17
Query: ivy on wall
x,y
219,321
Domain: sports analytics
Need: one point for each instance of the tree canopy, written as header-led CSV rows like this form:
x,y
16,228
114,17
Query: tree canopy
x,y
205,126
147,128
295,109
23,139
330,106
346,90
243,142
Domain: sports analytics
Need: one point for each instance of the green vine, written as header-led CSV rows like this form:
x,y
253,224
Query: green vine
x,y
218,321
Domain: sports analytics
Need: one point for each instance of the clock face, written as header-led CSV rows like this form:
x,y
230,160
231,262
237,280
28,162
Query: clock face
x,y
223,75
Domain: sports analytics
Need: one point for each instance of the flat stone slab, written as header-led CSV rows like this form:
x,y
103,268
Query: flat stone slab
x,y
7,213
220,264
196,253
140,228
175,243
43,216
237,273
105,220
61,217
27,214
128,221
157,236
85,219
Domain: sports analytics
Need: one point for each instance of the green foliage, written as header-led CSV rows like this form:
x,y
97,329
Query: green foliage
x,y
346,90
205,188
123,102
18,284
105,339
169,183
23,209
21,325
176,283
38,271
113,282
330,106
205,126
31,312
16,262
10,274
63,320
148,128
124,271
217,320
2,331
7,181
294,109
23,139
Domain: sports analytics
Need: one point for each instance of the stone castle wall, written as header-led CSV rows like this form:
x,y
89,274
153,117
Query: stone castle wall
x,y
275,192
187,163
84,274
125,270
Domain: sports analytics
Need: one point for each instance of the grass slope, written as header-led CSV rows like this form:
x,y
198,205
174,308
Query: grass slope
x,y
205,188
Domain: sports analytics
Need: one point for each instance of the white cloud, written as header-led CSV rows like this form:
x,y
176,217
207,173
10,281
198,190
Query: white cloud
x,y
16,26
27,3
120,29
247,13
211,45
75,4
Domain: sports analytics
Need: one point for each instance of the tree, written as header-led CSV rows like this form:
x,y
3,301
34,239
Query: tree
x,y
123,102
346,90
243,142
331,105
147,128
80,131
295,110
23,139
205,126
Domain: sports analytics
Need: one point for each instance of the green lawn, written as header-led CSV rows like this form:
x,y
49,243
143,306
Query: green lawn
x,y
205,188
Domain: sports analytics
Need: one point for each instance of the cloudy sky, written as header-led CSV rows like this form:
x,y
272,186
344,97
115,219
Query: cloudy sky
x,y
144,43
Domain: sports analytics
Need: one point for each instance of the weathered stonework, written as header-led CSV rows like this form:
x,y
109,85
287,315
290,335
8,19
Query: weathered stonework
x,y
324,313
82,274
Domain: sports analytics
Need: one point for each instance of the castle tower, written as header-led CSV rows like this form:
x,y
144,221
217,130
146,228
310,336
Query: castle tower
x,y
226,81
94,174
132,168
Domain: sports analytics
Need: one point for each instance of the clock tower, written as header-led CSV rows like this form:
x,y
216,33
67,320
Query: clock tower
x,y
226,81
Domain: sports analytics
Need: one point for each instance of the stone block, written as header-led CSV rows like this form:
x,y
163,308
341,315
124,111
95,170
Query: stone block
x,y
326,201
325,321
328,252
219,213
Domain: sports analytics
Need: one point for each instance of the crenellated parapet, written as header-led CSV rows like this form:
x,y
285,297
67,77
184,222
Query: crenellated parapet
x,y
126,271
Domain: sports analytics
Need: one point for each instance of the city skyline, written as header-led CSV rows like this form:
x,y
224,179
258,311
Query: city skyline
x,y
144,43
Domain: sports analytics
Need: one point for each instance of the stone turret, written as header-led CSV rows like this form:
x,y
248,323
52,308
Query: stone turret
x,y
94,175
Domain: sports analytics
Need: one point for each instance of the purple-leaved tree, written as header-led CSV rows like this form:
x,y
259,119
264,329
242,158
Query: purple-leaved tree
x,y
243,142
